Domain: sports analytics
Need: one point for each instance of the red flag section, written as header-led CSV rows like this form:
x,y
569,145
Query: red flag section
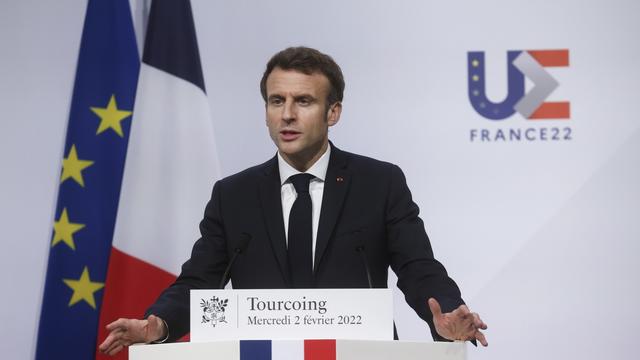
x,y
128,275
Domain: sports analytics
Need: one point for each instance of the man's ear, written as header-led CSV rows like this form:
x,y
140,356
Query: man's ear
x,y
333,114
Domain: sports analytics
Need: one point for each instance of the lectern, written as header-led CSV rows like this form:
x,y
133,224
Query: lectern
x,y
218,318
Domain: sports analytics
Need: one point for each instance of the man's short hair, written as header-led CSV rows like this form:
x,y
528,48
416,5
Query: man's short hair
x,y
307,61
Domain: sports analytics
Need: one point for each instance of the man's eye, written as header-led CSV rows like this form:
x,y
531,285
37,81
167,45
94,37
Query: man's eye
x,y
304,101
275,101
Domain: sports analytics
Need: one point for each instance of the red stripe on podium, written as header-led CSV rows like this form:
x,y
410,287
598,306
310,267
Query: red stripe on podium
x,y
319,350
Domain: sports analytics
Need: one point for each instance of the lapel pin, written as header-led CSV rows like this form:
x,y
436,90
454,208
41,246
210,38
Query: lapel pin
x,y
339,179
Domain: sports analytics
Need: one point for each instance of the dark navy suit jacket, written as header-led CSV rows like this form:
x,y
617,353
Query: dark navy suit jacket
x,y
366,204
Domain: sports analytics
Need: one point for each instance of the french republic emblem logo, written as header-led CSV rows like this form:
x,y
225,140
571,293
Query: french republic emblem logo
x,y
213,310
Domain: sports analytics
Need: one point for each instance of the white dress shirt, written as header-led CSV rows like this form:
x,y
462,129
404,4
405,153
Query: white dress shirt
x,y
316,189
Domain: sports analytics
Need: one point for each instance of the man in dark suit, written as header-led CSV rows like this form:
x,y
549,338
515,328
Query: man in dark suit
x,y
312,216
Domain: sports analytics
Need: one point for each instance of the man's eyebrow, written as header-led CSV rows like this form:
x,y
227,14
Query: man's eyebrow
x,y
304,96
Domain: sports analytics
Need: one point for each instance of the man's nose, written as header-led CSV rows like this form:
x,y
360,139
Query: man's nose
x,y
288,112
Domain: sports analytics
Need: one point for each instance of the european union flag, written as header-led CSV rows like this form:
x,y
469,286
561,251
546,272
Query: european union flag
x,y
91,176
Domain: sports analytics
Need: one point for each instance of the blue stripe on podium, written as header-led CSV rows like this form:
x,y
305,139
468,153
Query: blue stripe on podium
x,y
255,349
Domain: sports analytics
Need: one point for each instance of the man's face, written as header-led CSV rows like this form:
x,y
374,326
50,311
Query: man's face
x,y
297,115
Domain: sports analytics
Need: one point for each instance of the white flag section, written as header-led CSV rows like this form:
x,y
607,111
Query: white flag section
x,y
170,170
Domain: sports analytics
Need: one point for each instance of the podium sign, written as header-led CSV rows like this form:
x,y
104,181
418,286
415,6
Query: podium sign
x,y
362,314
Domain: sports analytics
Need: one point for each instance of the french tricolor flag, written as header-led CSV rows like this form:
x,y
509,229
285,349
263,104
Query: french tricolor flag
x,y
288,350
170,168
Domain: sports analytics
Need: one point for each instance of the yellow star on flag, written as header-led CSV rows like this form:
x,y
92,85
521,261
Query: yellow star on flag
x,y
111,117
72,167
83,289
64,230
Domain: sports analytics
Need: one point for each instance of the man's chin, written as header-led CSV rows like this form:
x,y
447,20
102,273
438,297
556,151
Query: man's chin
x,y
289,148
297,151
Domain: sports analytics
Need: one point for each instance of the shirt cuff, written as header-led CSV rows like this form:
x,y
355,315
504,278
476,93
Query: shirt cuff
x,y
166,337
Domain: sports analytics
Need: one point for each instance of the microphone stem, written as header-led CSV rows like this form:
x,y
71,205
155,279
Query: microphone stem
x,y
225,276
366,266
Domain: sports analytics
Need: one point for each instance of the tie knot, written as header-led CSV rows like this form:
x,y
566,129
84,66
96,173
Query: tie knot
x,y
301,182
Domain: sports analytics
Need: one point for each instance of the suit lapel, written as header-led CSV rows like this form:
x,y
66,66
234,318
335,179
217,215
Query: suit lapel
x,y
336,185
271,202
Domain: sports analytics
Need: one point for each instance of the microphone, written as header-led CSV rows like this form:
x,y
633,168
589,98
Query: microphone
x,y
363,256
242,246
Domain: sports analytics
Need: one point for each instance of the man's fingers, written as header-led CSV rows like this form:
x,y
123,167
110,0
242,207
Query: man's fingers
x,y
110,350
111,338
124,332
460,313
115,350
478,323
480,337
105,344
462,324
117,324
119,344
111,345
435,307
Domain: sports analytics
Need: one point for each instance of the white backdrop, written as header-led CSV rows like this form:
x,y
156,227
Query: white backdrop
x,y
540,235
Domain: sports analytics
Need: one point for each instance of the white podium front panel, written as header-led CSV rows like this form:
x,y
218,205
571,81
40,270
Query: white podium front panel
x,y
185,351
405,350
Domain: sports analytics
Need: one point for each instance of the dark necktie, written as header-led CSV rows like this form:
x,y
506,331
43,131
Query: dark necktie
x,y
300,234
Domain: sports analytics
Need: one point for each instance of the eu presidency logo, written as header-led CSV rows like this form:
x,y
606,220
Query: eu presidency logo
x,y
520,64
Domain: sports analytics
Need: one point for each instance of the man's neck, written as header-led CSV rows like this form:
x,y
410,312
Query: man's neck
x,y
318,169
304,161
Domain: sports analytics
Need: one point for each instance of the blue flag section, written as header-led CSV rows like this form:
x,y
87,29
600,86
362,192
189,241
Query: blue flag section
x,y
171,43
90,180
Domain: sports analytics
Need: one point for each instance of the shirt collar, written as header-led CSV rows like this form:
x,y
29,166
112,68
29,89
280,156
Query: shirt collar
x,y
318,169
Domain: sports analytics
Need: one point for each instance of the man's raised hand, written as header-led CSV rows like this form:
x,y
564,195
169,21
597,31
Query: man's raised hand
x,y
460,324
124,332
